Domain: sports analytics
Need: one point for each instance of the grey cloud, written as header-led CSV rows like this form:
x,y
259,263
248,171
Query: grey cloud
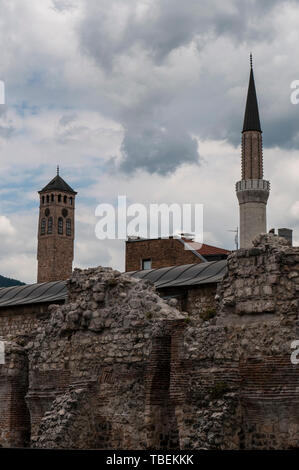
x,y
205,108
157,149
168,25
64,5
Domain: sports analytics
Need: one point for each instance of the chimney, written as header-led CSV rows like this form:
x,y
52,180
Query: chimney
x,y
286,233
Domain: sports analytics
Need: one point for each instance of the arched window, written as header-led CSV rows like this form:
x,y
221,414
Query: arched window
x,y
59,197
43,227
48,198
50,225
60,226
52,197
43,199
68,227
71,201
64,199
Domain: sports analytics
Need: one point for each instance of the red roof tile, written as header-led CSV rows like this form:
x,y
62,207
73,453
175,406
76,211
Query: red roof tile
x,y
205,249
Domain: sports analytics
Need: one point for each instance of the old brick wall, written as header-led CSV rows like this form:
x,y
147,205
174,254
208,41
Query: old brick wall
x,y
14,414
55,251
22,319
101,341
163,252
240,389
117,367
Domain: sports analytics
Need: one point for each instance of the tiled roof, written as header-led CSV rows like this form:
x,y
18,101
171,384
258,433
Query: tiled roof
x,y
204,249
59,184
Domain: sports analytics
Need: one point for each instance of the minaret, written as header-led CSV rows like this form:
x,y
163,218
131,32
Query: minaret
x,y
56,226
252,190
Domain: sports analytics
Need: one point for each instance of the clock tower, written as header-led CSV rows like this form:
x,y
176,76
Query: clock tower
x,y
56,231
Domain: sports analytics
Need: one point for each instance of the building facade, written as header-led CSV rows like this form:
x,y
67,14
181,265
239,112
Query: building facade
x,y
143,254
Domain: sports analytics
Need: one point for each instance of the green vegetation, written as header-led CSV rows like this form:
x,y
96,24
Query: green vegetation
x,y
8,282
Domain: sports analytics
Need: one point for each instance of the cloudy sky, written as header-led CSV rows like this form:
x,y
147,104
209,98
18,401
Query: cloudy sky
x,y
143,98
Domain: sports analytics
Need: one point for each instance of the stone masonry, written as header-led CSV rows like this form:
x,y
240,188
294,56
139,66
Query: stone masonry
x,y
117,367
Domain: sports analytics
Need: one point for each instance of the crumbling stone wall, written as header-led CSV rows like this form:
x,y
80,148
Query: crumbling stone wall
x,y
21,319
100,341
242,389
116,367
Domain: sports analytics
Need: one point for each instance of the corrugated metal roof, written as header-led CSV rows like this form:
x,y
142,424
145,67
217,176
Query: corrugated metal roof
x,y
174,276
49,292
184,275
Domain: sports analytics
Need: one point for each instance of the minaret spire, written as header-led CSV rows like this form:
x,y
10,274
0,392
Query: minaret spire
x,y
251,116
252,190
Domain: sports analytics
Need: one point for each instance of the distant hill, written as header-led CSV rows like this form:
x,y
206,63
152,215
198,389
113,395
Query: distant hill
x,y
8,282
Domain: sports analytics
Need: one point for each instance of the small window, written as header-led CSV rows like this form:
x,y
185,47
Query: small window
x,y
52,197
43,199
64,199
60,226
48,198
50,225
146,264
43,227
59,197
68,227
71,201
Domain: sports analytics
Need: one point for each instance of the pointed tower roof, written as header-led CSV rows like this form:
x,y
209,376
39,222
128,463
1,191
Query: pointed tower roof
x,y
58,184
251,117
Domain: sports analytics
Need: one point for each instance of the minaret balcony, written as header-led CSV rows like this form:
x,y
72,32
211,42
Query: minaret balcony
x,y
253,184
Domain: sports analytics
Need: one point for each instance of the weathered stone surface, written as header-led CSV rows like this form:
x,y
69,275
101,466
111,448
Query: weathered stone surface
x,y
126,369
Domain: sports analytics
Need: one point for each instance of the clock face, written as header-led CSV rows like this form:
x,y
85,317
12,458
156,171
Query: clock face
x,y
64,212
47,212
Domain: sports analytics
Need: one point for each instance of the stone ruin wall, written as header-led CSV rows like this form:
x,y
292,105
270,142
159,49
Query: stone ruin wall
x,y
21,320
117,367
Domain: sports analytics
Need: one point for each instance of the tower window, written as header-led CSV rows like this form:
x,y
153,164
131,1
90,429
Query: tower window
x,y
60,226
50,225
52,197
71,201
68,227
146,264
43,227
59,197
48,198
64,199
43,199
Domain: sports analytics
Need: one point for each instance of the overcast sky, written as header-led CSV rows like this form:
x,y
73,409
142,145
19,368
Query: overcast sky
x,y
143,98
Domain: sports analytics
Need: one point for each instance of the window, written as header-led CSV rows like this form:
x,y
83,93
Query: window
x,y
71,201
43,227
146,264
64,199
50,225
59,197
43,199
68,227
52,197
48,198
60,226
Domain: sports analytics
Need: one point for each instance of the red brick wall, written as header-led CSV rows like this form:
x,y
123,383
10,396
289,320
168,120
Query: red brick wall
x,y
163,252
